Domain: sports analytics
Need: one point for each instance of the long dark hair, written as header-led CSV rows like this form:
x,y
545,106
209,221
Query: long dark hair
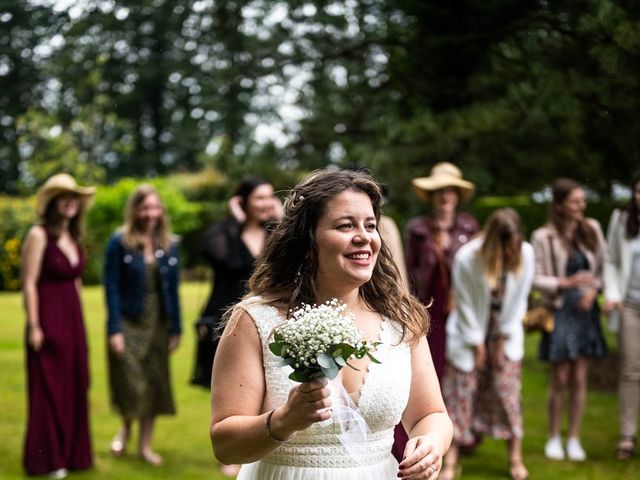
x,y
633,211
53,221
246,187
285,274
584,233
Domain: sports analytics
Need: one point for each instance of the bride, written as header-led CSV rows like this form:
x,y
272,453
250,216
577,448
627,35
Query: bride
x,y
328,246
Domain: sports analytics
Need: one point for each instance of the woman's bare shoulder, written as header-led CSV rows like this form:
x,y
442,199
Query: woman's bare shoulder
x,y
36,237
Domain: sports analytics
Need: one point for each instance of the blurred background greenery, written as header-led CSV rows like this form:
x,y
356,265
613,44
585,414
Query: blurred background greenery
x,y
515,92
193,94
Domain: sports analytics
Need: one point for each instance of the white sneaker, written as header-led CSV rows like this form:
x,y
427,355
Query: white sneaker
x,y
60,473
553,449
575,451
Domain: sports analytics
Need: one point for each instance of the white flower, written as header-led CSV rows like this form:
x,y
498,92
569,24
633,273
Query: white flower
x,y
313,332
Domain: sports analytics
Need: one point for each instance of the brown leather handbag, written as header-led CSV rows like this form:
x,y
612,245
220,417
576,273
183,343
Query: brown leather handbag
x,y
541,318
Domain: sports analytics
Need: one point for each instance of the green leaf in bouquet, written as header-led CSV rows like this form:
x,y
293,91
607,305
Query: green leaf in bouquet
x,y
306,374
285,362
340,361
276,348
343,350
326,361
372,358
297,376
331,373
279,349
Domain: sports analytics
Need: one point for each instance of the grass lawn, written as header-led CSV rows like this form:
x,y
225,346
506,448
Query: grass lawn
x,y
183,440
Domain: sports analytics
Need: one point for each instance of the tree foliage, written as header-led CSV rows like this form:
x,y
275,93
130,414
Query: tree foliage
x,y
514,92
22,27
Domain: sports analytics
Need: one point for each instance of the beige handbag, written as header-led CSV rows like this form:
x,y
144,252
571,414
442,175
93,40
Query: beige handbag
x,y
540,317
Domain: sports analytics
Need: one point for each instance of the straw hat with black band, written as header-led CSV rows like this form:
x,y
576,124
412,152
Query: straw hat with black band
x,y
443,175
60,184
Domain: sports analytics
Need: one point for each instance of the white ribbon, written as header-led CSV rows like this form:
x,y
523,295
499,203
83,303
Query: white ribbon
x,y
353,428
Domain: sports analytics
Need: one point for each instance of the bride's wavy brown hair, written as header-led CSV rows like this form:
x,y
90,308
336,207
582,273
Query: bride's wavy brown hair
x,y
286,271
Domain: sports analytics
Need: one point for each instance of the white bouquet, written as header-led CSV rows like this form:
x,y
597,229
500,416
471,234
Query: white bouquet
x,y
317,341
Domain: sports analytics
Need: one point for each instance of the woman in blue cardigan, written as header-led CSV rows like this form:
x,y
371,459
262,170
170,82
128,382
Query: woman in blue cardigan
x,y
141,284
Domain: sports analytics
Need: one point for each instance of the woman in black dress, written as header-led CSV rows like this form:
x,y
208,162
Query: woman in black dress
x,y
231,248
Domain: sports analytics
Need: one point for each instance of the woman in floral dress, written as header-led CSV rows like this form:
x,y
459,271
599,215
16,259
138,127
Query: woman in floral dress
x,y
492,277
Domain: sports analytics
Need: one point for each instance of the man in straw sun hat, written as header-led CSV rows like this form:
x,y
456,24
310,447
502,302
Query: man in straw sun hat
x,y
432,241
57,434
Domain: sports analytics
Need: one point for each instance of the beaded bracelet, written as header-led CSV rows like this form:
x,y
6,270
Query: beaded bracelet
x,y
267,428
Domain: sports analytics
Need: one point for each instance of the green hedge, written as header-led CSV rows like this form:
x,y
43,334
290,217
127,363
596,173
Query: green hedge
x,y
533,214
193,202
17,215
107,214
183,195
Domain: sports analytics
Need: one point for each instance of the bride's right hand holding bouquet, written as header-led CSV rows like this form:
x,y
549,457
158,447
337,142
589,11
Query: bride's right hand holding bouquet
x,y
316,342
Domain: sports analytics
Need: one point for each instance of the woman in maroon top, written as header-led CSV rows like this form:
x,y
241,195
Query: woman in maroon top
x,y
57,437
432,241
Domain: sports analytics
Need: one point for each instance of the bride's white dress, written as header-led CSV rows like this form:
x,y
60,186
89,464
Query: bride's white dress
x,y
316,453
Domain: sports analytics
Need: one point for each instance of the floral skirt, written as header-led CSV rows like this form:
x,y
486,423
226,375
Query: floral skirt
x,y
484,402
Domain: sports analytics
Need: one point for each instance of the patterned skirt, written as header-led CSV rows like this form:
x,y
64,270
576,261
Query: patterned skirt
x,y
139,381
484,402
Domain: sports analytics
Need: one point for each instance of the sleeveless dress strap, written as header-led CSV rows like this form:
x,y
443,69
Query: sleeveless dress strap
x,y
266,317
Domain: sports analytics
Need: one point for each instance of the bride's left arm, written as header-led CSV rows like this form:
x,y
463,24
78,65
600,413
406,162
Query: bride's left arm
x,y
425,419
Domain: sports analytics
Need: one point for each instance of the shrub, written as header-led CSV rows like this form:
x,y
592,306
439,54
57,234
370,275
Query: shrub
x,y
193,202
107,214
17,215
533,214
188,219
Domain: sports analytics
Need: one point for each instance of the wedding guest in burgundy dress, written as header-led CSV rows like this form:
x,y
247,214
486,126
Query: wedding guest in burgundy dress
x,y
432,241
57,437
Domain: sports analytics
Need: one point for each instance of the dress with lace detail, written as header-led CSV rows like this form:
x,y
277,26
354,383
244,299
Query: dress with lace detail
x,y
316,453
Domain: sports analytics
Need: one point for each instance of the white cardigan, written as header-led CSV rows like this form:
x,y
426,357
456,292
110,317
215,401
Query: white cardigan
x,y
468,323
617,268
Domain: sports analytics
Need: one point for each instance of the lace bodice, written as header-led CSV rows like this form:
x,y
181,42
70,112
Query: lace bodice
x,y
382,399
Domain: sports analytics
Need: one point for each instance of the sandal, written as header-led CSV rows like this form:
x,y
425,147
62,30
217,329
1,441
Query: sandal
x,y
119,443
151,457
517,471
626,448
